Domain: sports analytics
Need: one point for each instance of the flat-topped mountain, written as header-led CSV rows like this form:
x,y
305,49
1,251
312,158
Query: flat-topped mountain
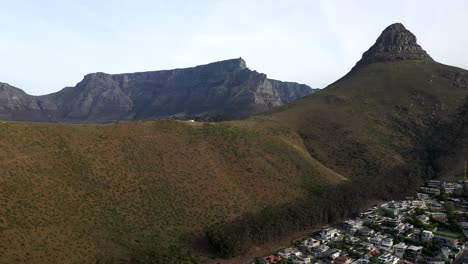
x,y
221,88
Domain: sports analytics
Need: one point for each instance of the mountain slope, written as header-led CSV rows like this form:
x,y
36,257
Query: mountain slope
x,y
221,88
90,193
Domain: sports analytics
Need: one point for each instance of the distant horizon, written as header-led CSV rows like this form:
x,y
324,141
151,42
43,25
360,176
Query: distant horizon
x,y
51,45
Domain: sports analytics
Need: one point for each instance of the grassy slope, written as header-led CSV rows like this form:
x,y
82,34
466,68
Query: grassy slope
x,y
378,115
86,192
81,192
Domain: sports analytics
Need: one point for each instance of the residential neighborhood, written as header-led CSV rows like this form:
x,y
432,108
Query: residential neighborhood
x,y
431,228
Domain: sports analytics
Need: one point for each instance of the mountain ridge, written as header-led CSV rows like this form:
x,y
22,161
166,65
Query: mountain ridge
x,y
219,88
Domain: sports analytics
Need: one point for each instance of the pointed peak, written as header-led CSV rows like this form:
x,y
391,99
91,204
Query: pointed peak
x,y
394,44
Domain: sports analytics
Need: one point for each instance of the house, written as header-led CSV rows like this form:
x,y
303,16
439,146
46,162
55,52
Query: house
x,y
377,240
332,253
418,203
302,260
387,244
449,187
350,240
310,243
439,216
403,228
414,252
329,233
427,236
392,222
320,250
422,196
423,218
342,260
289,253
273,259
387,258
366,231
434,205
429,190
361,261
352,226
371,253
416,233
399,249
433,184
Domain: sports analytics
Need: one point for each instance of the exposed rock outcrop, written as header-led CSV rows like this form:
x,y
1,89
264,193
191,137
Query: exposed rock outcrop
x,y
395,43
220,88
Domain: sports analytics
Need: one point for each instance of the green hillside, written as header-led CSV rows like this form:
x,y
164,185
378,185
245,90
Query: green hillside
x,y
76,193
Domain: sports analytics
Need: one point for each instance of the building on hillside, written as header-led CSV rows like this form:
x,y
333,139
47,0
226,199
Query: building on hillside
x,y
342,260
422,196
388,258
352,226
418,204
429,190
414,252
310,243
423,218
332,253
435,206
329,233
361,261
392,222
427,236
399,249
289,253
377,239
386,244
351,240
320,250
366,231
439,216
433,183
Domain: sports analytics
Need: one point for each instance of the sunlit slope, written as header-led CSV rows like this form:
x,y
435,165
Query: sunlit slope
x,y
83,192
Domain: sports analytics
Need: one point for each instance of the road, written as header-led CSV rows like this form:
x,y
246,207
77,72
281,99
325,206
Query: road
x,y
462,258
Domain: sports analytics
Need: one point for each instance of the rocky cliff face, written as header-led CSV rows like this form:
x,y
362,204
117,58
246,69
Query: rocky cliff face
x,y
395,43
220,88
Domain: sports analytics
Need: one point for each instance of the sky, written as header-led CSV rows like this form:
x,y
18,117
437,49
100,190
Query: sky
x,y
50,44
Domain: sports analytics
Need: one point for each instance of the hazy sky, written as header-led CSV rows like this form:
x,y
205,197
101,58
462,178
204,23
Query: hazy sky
x,y
46,45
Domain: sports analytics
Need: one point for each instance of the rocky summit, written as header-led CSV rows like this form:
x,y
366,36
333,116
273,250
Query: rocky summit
x,y
395,43
225,88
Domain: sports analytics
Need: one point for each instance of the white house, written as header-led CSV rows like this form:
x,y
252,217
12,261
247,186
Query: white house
x,y
399,249
329,233
289,253
427,236
387,244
